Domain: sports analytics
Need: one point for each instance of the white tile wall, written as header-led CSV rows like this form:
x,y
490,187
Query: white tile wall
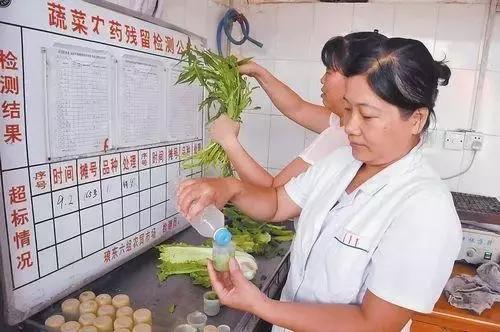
x,y
489,104
330,20
293,35
416,21
175,12
494,54
484,178
370,16
286,141
254,136
455,101
215,12
295,74
459,33
263,27
196,17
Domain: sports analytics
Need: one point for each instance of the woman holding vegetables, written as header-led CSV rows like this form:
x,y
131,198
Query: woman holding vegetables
x,y
373,215
327,119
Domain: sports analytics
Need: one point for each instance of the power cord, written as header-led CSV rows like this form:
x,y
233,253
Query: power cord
x,y
476,146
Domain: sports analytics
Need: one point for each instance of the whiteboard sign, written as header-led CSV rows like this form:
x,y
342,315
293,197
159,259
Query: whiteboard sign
x,y
88,155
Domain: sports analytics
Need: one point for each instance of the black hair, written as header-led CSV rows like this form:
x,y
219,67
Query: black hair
x,y
403,73
338,52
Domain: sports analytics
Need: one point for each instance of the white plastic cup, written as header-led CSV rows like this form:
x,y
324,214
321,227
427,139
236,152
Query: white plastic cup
x,y
211,307
185,328
197,319
223,328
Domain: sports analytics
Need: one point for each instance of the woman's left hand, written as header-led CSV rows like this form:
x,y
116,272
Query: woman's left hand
x,y
234,290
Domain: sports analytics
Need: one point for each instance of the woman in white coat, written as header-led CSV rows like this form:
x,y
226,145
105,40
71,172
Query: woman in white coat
x,y
378,233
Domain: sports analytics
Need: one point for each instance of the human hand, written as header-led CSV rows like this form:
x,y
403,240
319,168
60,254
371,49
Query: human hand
x,y
234,290
250,68
196,194
224,131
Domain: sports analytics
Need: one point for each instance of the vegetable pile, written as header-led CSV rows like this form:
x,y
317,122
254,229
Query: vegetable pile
x,y
259,238
225,88
191,260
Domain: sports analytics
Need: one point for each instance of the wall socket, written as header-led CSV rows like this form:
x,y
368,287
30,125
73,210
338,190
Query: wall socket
x,y
454,140
463,140
472,137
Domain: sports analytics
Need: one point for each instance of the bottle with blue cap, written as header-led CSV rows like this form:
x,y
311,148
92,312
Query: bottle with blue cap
x,y
210,223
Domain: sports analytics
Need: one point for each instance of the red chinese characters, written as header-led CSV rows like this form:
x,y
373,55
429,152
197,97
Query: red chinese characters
x,y
131,34
57,15
143,159
10,98
173,153
169,44
41,179
85,23
129,162
9,84
124,248
115,30
11,110
8,60
78,24
158,42
88,170
97,21
145,41
17,194
20,227
19,217
12,133
63,174
110,165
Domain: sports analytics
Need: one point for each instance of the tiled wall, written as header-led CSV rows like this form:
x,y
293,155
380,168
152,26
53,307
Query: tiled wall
x,y
293,34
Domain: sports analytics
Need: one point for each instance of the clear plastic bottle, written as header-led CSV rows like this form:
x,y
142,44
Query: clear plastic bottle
x,y
210,223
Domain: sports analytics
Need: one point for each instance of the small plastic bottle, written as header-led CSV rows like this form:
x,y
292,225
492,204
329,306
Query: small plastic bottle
x,y
209,221
222,249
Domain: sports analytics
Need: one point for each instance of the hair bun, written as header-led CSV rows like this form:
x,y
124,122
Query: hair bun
x,y
443,72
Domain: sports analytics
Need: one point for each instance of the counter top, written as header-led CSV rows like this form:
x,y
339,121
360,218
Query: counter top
x,y
137,278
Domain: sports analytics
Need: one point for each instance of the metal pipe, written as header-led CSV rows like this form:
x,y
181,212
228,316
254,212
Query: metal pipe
x,y
490,21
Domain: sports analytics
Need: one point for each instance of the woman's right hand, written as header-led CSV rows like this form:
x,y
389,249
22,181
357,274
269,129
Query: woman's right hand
x,y
196,194
224,131
250,68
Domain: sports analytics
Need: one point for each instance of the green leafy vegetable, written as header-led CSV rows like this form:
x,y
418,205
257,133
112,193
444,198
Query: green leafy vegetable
x,y
182,259
226,89
259,238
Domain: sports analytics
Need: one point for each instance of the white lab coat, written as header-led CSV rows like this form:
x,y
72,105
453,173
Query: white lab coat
x,y
397,235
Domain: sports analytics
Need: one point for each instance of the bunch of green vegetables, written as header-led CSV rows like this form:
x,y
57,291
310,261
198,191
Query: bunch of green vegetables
x,y
259,238
226,90
184,259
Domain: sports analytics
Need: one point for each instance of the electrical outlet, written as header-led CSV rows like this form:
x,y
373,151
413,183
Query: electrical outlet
x,y
454,140
472,137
